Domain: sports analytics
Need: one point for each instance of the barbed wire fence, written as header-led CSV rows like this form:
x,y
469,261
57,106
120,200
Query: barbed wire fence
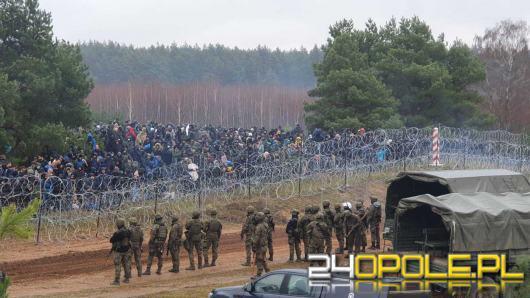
x,y
87,207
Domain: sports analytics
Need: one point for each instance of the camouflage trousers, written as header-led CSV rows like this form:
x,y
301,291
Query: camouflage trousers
x,y
374,234
175,256
316,246
248,249
329,243
354,239
136,252
261,261
294,246
122,259
197,245
155,250
340,239
306,247
214,244
269,247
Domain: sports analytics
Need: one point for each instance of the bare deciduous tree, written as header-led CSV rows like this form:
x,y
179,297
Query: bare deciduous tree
x,y
504,51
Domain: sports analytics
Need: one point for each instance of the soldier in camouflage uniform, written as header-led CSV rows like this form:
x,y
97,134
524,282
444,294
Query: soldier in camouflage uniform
x,y
194,237
270,222
173,243
363,216
374,219
156,245
352,230
260,243
121,248
329,216
247,232
338,224
212,228
293,236
137,239
317,232
302,224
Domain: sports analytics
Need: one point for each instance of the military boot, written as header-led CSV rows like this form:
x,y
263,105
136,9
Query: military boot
x,y
270,257
116,282
213,263
147,271
174,270
206,263
126,280
199,265
139,273
191,268
373,245
159,271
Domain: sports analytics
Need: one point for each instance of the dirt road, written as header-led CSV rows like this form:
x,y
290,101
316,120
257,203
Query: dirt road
x,y
88,273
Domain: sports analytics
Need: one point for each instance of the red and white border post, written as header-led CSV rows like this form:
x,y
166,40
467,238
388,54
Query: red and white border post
x,y
436,148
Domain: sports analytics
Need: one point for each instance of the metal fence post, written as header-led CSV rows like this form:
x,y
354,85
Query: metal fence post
x,y
99,214
40,211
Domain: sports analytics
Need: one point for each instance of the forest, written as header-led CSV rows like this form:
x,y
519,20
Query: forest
x,y
110,62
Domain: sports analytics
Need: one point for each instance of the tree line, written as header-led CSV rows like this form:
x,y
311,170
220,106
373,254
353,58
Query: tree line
x,y
400,74
111,62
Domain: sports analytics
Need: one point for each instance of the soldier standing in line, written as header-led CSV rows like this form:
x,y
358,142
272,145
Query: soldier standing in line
x,y
318,233
156,245
270,222
302,224
353,236
260,244
293,237
194,238
363,216
213,229
374,219
329,216
173,243
339,228
247,232
137,239
121,248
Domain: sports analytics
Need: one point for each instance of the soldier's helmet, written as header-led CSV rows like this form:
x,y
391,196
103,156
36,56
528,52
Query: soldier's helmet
x,y
326,204
133,221
195,214
338,206
266,211
307,209
250,209
158,218
373,199
359,205
319,217
120,223
213,212
260,216
347,213
316,209
346,205
294,211
174,219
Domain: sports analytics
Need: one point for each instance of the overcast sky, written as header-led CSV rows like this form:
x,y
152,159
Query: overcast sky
x,y
276,23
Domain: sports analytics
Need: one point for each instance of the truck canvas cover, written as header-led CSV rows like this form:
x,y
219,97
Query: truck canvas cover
x,y
481,221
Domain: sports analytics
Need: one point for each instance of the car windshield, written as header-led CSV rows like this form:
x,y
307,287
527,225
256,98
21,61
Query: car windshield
x,y
270,284
298,286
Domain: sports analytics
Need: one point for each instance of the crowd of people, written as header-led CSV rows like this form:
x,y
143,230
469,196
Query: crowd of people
x,y
132,149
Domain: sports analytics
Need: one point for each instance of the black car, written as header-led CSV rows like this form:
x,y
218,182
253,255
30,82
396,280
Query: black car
x,y
291,283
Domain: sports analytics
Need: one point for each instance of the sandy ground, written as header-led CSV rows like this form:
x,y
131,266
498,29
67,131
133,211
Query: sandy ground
x,y
82,268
